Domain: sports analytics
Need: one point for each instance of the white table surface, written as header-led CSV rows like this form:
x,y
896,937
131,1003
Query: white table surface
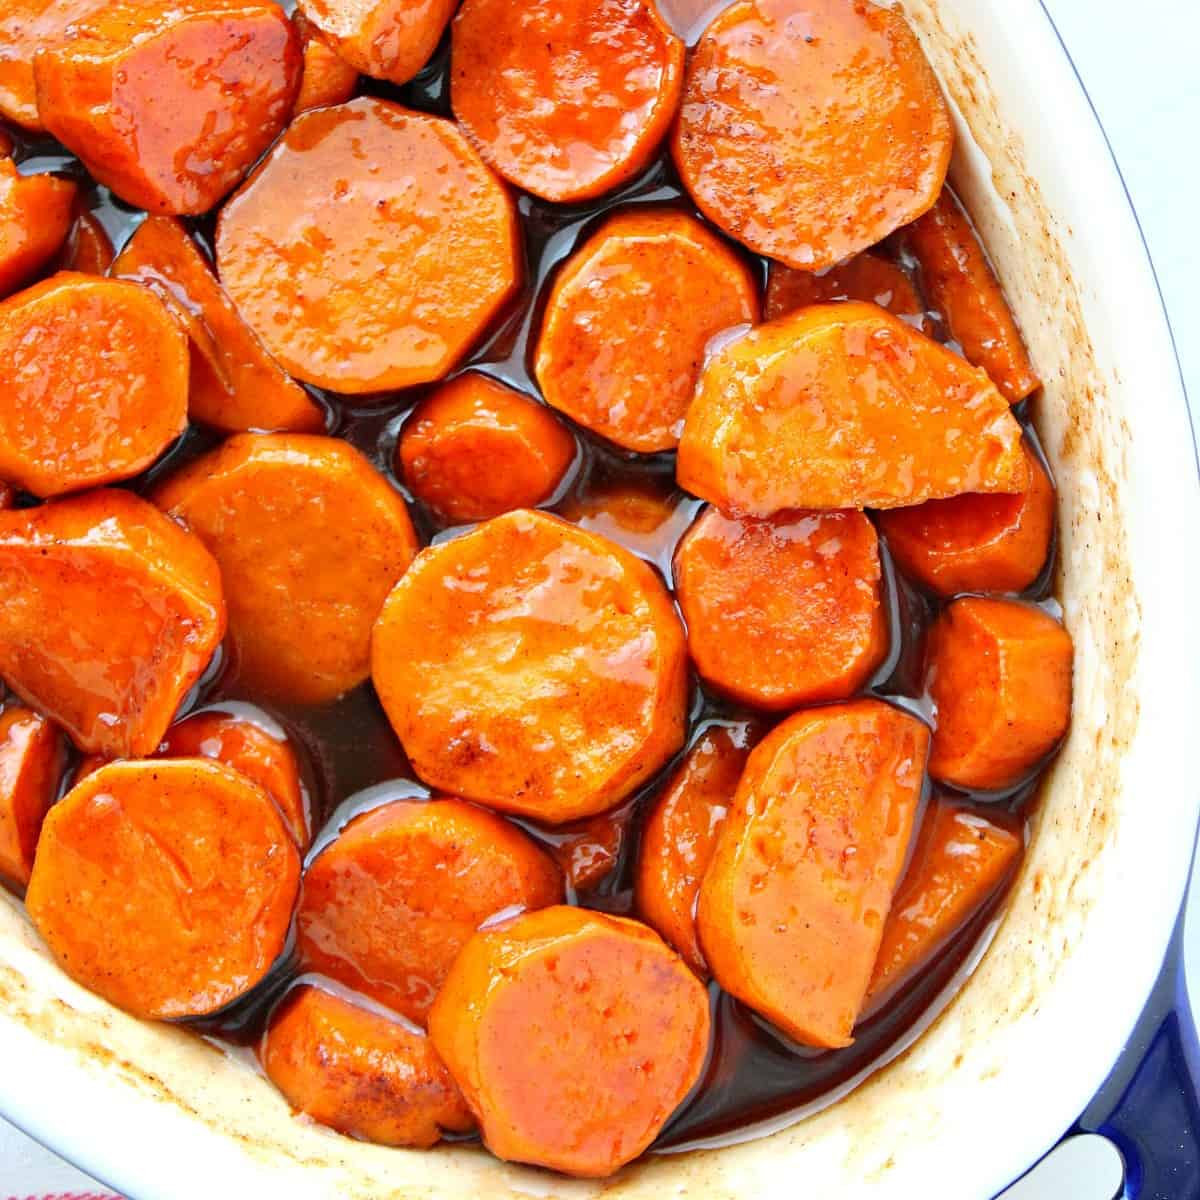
x,y
1138,62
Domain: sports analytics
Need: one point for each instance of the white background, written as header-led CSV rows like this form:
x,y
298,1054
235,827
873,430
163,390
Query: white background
x,y
1141,65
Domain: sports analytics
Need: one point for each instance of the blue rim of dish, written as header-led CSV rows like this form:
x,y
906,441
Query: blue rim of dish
x,y
1174,957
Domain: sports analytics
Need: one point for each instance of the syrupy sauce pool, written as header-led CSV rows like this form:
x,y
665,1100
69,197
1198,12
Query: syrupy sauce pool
x,y
353,761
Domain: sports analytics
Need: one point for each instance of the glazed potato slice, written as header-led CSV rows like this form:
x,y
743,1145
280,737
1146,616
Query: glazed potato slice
x,y
310,539
88,248
326,78
165,887
844,406
108,614
351,1067
169,102
622,1026
27,26
389,39
794,899
390,902
31,762
35,218
866,276
534,667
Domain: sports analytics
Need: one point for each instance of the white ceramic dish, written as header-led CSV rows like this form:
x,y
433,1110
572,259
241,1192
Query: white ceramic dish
x,y
1007,1067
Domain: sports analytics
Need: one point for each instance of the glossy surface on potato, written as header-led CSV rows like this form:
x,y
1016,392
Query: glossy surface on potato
x,y
31,761
389,39
27,26
35,218
866,276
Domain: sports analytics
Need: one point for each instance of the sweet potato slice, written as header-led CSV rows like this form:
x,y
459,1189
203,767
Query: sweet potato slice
x,y
389,39
794,900
88,248
35,218
680,835
234,384
866,276
810,129
622,1035
169,102
628,319
251,750
326,78
108,614
534,667
960,281
27,26
784,610
310,539
844,406
371,248
475,449
589,850
959,861
646,516
976,543
32,755
165,887
93,383
354,1069
389,903
999,673
566,98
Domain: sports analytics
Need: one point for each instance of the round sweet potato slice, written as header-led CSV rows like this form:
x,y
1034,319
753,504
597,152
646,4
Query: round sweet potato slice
x,y
534,667
166,887
389,39
622,1034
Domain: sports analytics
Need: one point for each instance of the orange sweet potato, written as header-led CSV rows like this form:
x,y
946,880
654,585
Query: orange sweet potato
x,y
999,673
976,543
31,763
93,383
251,750
310,538
169,102
866,276
680,835
234,384
784,610
794,899
475,449
565,98
844,406
35,217
589,850
108,614
326,78
532,666
810,129
628,319
644,515
960,281
388,904
165,887
959,861
622,1030
27,26
359,1072
371,247
389,39
88,248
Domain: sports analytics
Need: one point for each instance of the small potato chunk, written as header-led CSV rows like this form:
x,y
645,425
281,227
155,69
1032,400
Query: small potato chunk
x,y
165,887
475,449
810,129
371,248
999,673
88,248
27,26
310,538
573,1035
643,515
389,903
844,406
534,667
31,762
170,102
35,218
625,329
866,277
785,610
976,543
794,900
109,612
327,78
567,99
93,383
234,384
589,850
680,835
352,1068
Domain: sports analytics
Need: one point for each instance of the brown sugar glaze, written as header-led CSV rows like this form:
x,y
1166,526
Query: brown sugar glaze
x,y
352,761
